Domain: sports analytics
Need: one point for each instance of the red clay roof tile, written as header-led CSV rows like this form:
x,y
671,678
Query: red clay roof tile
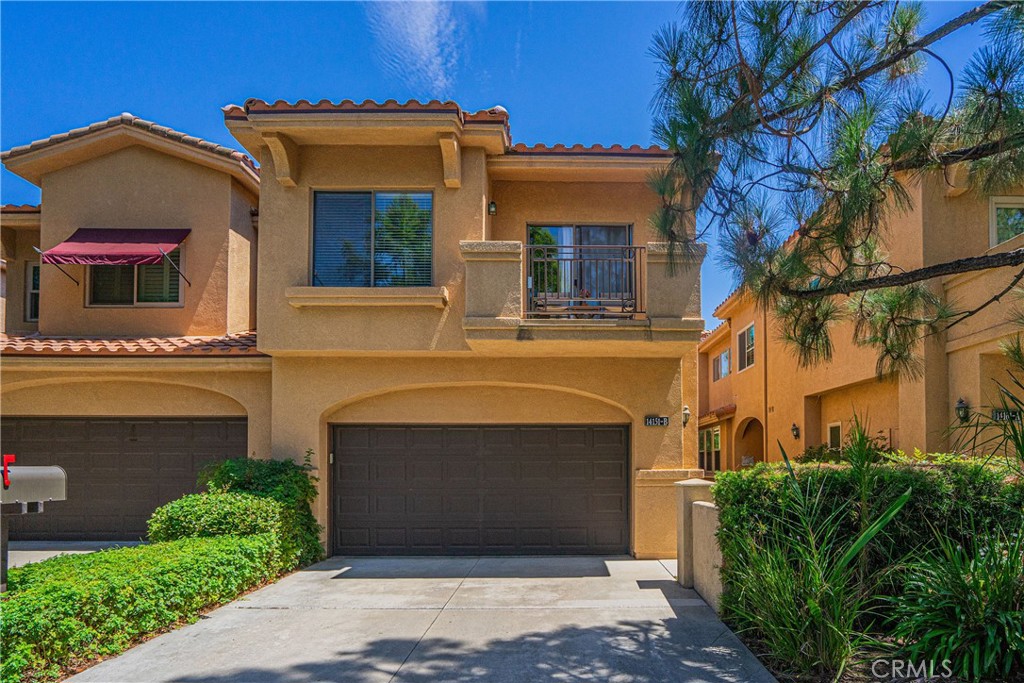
x,y
20,208
133,121
240,344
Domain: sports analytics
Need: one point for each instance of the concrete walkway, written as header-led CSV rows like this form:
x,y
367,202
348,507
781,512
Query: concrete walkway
x,y
520,620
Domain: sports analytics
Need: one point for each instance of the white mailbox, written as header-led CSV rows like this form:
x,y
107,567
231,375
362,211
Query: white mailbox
x,y
34,486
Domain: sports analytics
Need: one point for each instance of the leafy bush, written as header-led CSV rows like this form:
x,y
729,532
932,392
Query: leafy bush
x,y
953,497
282,480
75,608
965,603
226,514
801,596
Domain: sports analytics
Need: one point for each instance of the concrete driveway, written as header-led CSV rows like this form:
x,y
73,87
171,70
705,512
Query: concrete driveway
x,y
452,619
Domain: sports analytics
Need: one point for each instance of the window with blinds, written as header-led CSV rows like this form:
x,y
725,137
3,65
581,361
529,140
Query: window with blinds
x,y
136,285
372,239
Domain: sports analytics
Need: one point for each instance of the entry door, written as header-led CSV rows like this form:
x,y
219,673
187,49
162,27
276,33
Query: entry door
x,y
480,490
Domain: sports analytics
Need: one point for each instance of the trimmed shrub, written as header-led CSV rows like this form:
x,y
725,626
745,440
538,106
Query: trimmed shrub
x,y
226,514
75,608
282,480
955,497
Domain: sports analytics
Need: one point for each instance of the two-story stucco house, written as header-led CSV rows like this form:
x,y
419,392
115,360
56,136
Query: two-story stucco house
x,y
469,334
755,397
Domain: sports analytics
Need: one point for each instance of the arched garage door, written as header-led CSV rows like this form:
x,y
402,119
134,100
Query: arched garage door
x,y
480,490
119,470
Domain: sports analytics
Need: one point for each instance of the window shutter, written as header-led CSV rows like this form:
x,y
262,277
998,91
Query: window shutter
x,y
403,240
112,285
160,283
341,239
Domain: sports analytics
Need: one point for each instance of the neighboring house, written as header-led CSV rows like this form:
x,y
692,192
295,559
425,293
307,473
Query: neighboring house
x,y
755,398
461,390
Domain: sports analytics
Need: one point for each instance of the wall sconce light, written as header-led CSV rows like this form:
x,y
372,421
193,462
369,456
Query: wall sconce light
x,y
963,411
795,430
492,209
686,415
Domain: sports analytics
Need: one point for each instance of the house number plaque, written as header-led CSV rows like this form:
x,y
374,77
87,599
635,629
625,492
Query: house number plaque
x,y
656,421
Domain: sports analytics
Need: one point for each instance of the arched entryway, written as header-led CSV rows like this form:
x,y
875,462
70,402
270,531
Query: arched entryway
x,y
749,445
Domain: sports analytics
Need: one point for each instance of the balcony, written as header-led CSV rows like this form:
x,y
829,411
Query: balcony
x,y
601,300
587,282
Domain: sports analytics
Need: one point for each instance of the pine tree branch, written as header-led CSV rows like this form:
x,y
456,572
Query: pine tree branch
x,y
964,265
965,19
955,156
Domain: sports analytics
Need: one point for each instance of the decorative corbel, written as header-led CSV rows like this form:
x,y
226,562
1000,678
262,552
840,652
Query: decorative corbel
x,y
285,153
452,159
957,180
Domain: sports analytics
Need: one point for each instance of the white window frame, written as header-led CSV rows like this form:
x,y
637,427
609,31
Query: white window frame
x,y
180,303
28,288
998,203
741,353
828,434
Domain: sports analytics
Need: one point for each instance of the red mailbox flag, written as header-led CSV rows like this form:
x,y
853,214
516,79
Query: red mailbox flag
x,y
8,459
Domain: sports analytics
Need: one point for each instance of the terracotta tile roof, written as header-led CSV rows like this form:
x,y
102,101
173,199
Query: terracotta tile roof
x,y
133,121
257,106
20,208
241,344
614,150
720,412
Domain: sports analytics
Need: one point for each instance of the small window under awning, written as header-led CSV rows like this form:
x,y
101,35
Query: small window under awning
x,y
116,246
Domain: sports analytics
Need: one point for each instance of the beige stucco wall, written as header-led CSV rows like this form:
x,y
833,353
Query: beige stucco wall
x,y
242,262
707,555
286,242
311,393
137,187
522,203
128,387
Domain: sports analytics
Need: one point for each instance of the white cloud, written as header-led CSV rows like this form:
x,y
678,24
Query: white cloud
x,y
418,42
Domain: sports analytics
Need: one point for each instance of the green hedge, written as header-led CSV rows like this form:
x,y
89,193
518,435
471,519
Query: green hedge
x,y
74,608
284,481
954,497
226,514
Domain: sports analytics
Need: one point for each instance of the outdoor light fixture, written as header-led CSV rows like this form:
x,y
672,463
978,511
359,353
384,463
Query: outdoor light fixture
x,y
963,411
686,415
492,209
795,430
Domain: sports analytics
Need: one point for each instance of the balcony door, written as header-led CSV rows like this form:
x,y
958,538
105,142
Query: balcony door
x,y
579,266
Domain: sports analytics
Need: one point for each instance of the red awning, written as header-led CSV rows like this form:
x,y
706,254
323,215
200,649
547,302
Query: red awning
x,y
116,246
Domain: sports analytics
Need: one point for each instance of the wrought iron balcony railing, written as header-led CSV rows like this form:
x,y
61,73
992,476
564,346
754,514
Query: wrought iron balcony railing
x,y
584,281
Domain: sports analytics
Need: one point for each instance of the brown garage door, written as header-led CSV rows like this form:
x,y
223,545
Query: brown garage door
x,y
119,470
450,490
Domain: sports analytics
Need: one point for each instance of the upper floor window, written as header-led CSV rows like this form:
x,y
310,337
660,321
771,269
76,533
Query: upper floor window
x,y
148,285
31,292
372,239
1006,218
745,347
720,366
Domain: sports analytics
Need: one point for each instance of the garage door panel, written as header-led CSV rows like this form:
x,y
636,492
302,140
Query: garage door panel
x,y
480,490
119,470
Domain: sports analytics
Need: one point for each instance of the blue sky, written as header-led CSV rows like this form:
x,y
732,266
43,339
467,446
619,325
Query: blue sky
x,y
567,72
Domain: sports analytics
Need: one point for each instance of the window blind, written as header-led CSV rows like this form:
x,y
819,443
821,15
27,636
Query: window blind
x,y
367,239
341,239
402,239
160,283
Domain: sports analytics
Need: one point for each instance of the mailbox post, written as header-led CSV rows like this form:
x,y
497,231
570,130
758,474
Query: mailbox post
x,y
25,491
